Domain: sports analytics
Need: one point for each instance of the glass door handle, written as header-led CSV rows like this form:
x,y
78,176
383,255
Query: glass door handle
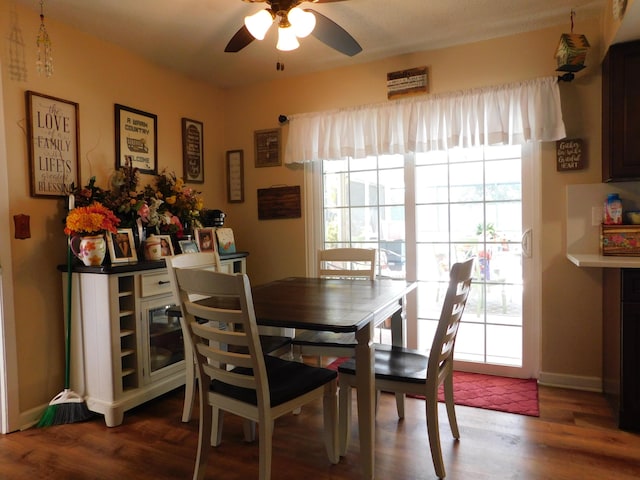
x,y
526,243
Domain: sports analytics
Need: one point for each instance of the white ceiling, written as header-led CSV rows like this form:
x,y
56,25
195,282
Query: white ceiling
x,y
190,35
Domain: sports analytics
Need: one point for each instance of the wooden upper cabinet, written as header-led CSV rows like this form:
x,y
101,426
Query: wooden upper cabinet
x,y
621,113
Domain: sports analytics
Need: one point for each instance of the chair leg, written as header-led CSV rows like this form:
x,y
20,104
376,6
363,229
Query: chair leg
x,y
204,432
217,422
189,390
330,413
249,429
344,422
434,435
451,406
265,434
400,404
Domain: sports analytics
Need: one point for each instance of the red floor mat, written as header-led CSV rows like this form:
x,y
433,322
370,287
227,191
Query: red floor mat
x,y
511,395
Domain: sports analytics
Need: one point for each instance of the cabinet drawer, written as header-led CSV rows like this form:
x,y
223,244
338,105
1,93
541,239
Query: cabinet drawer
x,y
154,284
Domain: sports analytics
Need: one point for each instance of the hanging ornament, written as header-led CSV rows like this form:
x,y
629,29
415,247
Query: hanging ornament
x,y
44,61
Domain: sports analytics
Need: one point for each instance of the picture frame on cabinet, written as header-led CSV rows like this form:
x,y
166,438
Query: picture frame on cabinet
x,y
122,248
188,246
136,139
206,239
192,151
53,135
166,246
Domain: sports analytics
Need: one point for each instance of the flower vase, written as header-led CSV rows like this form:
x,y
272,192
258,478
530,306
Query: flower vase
x,y
91,249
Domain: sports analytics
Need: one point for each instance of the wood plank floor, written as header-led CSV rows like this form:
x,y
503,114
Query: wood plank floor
x,y
574,438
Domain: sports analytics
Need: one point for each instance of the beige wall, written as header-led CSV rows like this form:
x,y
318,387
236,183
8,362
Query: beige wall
x,y
97,75
571,301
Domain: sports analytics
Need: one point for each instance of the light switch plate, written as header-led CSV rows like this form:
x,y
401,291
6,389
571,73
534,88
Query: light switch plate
x,y
596,216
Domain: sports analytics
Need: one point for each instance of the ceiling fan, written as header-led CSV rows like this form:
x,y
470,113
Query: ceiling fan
x,y
293,23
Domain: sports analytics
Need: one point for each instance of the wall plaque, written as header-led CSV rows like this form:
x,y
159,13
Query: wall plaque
x,y
569,153
279,202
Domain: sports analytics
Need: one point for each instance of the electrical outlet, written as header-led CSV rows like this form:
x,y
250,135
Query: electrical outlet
x,y
596,216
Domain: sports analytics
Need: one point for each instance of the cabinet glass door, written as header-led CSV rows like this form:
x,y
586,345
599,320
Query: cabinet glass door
x,y
166,345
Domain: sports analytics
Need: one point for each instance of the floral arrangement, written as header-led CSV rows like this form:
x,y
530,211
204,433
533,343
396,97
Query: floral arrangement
x,y
173,206
92,219
166,204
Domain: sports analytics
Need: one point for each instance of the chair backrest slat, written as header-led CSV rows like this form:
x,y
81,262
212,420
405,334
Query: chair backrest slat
x,y
442,348
347,263
223,299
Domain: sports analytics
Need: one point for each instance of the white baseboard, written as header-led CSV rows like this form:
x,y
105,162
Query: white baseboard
x,y
591,384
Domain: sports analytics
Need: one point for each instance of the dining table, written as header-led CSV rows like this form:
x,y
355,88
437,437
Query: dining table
x,y
341,305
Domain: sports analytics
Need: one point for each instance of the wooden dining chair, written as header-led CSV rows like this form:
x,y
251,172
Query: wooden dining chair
x,y
405,371
271,344
241,379
335,263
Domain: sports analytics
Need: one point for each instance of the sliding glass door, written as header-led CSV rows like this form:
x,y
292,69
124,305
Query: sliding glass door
x,y
449,206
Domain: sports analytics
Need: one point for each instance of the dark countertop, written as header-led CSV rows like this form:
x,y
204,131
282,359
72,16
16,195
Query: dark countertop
x,y
108,269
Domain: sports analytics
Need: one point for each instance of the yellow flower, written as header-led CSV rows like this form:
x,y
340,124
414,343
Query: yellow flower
x,y
170,200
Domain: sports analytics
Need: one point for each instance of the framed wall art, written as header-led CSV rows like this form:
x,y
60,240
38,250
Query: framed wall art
x,y
122,248
235,176
136,139
192,151
53,133
267,147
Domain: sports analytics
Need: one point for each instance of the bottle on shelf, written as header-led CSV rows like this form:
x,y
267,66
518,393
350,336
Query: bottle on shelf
x,y
613,210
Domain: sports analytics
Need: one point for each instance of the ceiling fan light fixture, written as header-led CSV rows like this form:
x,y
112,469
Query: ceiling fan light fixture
x,y
287,39
302,22
259,23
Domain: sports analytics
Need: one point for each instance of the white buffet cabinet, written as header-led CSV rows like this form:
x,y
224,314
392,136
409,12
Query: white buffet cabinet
x,y
125,349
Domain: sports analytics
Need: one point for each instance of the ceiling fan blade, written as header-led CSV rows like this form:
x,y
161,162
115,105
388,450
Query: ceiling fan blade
x,y
241,39
333,35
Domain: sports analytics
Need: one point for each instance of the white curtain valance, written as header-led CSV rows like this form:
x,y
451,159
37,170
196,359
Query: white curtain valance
x,y
506,114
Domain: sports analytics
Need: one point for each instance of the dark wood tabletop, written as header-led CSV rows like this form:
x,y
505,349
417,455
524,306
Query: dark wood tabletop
x,y
337,305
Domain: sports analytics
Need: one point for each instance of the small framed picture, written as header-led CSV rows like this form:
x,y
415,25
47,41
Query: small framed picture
x,y
267,146
188,246
122,248
192,151
166,247
206,239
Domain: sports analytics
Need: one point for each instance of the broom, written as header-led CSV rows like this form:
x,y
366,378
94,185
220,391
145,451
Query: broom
x,y
67,406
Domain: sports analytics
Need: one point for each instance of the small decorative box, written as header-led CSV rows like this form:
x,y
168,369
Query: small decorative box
x,y
620,240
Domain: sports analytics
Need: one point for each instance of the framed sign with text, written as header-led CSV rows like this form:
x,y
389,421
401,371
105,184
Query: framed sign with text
x,y
192,151
53,133
235,176
136,139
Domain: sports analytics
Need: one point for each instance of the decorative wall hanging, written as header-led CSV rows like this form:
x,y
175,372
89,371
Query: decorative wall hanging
x,y
405,82
267,144
571,53
235,176
44,60
569,154
279,202
136,139
52,132
192,151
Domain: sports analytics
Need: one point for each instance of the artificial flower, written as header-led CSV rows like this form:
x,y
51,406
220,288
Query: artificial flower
x,y
92,219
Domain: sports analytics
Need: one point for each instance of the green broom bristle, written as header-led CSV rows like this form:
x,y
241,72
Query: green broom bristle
x,y
48,416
